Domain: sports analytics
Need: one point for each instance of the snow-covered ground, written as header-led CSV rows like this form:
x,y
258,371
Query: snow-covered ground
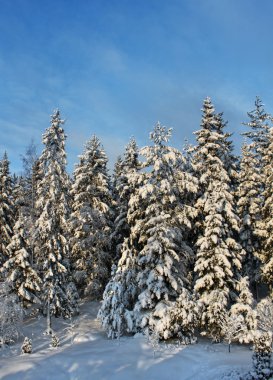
x,y
86,353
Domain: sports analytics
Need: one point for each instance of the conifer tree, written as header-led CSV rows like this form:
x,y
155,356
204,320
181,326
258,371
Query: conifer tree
x,y
259,128
91,220
21,275
125,168
52,247
218,253
120,295
244,308
164,258
153,269
6,209
265,224
259,136
248,207
18,195
30,164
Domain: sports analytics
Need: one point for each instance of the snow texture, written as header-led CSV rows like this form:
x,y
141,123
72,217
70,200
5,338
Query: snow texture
x,y
85,353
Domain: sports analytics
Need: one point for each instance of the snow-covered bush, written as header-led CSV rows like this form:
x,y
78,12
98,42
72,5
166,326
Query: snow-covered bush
x,y
26,347
55,341
11,315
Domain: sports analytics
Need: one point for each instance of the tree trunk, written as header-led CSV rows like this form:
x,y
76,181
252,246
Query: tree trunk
x,y
49,325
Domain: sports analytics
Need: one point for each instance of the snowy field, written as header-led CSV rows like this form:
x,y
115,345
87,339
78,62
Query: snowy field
x,y
86,353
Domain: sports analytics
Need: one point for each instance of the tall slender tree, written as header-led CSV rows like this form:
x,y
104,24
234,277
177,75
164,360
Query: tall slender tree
x,y
265,224
18,270
52,247
6,209
218,253
249,204
91,220
260,145
164,258
126,168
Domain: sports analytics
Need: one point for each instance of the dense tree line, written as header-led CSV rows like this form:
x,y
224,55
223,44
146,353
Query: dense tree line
x,y
173,242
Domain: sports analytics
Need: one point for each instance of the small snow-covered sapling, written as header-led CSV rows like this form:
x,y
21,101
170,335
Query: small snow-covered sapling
x,y
26,347
55,341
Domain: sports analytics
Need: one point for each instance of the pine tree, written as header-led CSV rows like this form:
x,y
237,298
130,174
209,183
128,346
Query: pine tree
x,y
22,276
52,247
164,257
11,314
120,294
218,253
91,220
248,207
265,224
229,159
244,308
18,195
6,209
153,269
259,127
259,136
125,168
261,358
26,347
184,317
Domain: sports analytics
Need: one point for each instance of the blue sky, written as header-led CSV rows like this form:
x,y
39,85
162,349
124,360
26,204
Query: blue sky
x,y
115,67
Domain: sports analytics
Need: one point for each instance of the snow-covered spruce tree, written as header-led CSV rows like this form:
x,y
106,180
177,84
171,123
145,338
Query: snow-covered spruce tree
x,y
115,178
248,208
124,169
153,268
229,159
91,221
259,135
6,209
18,184
120,295
26,347
28,192
22,277
163,258
265,224
259,123
52,250
11,314
29,160
244,308
184,317
218,253
112,310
